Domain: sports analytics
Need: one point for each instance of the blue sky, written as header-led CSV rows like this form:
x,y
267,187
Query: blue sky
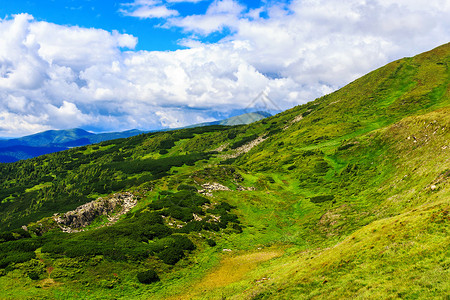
x,y
150,64
107,15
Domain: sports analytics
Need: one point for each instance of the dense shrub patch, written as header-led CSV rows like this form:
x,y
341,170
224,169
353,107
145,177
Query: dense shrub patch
x,y
144,233
148,276
321,198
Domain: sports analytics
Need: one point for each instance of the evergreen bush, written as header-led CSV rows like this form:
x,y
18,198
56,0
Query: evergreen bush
x,y
147,277
171,255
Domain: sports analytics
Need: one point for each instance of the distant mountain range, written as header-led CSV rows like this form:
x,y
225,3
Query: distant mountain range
x,y
237,120
50,141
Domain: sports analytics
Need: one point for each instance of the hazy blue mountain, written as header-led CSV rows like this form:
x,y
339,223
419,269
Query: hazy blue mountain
x,y
19,152
50,141
237,120
46,138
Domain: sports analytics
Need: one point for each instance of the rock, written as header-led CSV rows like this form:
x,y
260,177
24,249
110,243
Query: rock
x,y
112,207
245,148
209,187
215,187
433,187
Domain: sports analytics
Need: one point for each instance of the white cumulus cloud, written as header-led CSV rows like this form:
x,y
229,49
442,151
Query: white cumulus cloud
x,y
54,76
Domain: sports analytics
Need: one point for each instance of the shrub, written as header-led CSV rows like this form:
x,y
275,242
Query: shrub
x,y
321,167
147,277
163,151
156,231
165,193
211,226
346,146
33,275
231,135
186,187
192,226
211,242
183,242
236,227
15,257
181,213
270,179
321,198
6,236
171,255
226,206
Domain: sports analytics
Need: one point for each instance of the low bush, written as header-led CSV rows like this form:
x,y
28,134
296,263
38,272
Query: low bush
x,y
181,213
186,187
15,257
236,227
183,242
171,255
321,167
33,275
193,226
211,242
321,198
346,146
147,277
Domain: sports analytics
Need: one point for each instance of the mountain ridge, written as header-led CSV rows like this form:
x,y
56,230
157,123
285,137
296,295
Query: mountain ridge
x,y
346,196
50,141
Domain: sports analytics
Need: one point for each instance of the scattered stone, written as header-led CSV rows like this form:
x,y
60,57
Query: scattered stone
x,y
245,148
295,120
226,250
221,147
243,188
112,207
433,187
196,217
214,218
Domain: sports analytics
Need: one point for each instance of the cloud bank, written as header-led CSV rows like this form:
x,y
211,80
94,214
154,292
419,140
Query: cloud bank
x,y
55,77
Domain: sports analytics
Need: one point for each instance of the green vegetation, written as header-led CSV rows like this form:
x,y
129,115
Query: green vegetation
x,y
346,197
148,276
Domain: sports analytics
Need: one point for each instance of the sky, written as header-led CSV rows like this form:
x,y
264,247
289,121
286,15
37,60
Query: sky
x,y
151,64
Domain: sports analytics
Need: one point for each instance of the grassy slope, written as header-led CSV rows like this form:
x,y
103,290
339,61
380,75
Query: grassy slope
x,y
378,150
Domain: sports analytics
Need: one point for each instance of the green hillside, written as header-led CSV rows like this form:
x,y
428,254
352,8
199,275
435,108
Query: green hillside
x,y
344,197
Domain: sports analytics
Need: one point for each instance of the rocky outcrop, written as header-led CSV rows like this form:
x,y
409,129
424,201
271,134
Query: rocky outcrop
x,y
293,121
112,207
209,187
245,148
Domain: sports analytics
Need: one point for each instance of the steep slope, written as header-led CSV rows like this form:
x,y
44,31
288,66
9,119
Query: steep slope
x,y
344,197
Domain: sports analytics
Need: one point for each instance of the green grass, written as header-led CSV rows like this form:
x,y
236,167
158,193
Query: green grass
x,y
352,201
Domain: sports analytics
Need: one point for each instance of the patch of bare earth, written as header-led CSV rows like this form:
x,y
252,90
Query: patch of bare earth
x,y
231,269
